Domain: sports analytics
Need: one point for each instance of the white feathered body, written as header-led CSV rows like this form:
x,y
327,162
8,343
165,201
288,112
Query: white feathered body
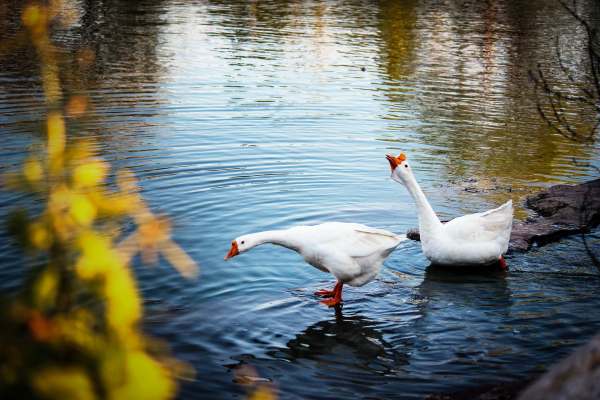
x,y
353,253
472,239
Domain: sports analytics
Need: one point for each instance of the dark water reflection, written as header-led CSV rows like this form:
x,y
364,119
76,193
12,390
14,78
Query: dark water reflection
x,y
246,116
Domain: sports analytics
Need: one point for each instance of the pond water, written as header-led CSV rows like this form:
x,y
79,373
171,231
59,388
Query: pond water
x,y
247,116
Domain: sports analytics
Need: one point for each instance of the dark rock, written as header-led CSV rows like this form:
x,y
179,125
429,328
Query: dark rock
x,y
524,235
576,377
562,210
500,391
569,204
413,234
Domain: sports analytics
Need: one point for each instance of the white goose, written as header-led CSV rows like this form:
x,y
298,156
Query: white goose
x,y
353,253
473,239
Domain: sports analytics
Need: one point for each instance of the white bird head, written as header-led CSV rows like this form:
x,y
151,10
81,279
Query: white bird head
x,y
240,245
401,171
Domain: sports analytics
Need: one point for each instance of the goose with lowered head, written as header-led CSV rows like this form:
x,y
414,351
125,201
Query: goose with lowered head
x,y
473,239
352,253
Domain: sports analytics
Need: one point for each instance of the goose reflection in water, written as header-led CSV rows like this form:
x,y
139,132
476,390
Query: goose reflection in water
x,y
345,348
344,342
463,303
465,321
462,287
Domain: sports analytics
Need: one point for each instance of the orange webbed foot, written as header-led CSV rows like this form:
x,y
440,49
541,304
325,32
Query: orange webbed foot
x,y
325,293
335,294
331,302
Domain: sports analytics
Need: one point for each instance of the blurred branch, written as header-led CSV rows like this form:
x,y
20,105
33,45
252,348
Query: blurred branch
x,y
552,102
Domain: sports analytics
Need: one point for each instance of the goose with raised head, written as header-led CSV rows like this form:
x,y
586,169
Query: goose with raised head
x,y
473,239
352,253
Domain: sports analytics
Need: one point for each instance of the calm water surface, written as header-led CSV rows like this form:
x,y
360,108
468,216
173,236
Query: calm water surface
x,y
242,117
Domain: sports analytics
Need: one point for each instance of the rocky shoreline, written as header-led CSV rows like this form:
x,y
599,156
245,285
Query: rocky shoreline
x,y
500,391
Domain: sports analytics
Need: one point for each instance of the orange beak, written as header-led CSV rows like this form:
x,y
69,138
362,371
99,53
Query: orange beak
x,y
395,161
233,251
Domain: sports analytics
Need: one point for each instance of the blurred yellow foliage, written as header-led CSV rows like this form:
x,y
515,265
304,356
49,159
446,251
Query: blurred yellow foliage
x,y
146,379
56,136
90,174
34,19
263,392
73,330
39,235
45,289
61,383
33,170
123,306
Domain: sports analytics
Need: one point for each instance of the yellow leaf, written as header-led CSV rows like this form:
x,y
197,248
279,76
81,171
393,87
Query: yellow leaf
x,y
63,383
82,209
116,204
39,236
33,16
263,392
59,199
46,287
89,174
56,134
98,257
112,367
123,303
146,379
33,171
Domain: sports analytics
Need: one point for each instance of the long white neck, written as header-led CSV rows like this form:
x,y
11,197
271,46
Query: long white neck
x,y
278,237
428,220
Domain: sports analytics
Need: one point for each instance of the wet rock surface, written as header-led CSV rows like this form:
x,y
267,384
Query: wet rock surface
x,y
575,377
561,210
502,391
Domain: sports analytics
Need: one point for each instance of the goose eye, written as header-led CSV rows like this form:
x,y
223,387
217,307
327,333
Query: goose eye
x,y
243,242
405,165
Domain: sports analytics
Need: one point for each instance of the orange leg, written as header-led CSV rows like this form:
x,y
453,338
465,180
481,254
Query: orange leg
x,y
502,263
328,293
337,296
325,293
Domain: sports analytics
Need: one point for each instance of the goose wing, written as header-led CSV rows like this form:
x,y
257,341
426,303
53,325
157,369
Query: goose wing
x,y
490,225
356,240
